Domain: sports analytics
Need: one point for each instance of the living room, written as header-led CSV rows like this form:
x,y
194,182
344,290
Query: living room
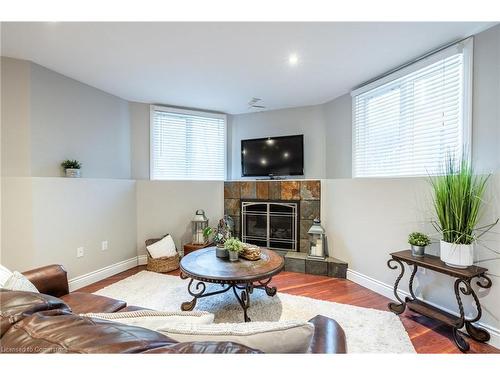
x,y
271,194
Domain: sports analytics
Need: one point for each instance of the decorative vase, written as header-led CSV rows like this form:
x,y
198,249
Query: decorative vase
x,y
233,256
220,252
457,255
417,251
73,173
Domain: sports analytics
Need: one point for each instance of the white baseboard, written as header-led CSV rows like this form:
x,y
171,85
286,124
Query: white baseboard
x,y
388,291
142,260
100,274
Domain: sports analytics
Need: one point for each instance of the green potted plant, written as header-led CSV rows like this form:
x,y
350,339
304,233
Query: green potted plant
x,y
71,168
220,235
234,247
418,242
458,201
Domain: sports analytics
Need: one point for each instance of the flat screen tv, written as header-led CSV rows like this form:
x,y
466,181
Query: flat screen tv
x,y
273,156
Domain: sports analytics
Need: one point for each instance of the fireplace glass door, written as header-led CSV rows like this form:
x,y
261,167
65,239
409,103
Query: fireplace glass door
x,y
270,224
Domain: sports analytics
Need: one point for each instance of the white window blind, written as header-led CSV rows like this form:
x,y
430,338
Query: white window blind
x,y
187,145
407,123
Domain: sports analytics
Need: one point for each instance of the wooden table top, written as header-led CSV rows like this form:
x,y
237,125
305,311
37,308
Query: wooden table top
x,y
204,265
434,263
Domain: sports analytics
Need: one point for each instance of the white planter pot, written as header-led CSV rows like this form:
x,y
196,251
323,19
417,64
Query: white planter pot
x,y
458,256
74,173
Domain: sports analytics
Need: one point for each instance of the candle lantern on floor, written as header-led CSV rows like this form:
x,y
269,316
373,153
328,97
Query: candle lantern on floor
x,y
199,223
316,240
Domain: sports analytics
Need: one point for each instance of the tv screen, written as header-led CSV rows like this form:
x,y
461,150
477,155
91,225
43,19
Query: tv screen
x,y
273,156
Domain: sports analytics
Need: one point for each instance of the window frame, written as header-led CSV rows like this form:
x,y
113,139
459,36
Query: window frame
x,y
466,47
182,111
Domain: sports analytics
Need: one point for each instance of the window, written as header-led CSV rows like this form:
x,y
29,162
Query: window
x,y
187,145
406,123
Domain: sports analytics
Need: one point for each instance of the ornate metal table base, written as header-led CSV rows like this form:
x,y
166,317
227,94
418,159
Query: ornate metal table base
x,y
242,292
462,286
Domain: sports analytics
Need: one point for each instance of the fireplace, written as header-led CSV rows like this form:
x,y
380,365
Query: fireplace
x,y
271,224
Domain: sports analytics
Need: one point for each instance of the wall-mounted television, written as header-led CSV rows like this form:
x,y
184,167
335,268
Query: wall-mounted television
x,y
273,156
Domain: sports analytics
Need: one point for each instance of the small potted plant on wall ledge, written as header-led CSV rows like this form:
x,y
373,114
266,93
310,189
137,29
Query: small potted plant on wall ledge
x,y
418,242
458,201
234,248
71,168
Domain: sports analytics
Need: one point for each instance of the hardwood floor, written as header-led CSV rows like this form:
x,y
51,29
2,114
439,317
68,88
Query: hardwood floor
x,y
427,335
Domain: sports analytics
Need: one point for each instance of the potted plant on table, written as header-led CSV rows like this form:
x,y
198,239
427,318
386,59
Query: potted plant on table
x,y
234,247
458,200
418,242
71,168
221,234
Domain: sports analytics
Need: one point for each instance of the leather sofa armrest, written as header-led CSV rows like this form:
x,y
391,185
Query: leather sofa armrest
x,y
51,280
329,337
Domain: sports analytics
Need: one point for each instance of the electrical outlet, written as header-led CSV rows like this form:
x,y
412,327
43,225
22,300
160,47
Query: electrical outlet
x,y
104,245
80,252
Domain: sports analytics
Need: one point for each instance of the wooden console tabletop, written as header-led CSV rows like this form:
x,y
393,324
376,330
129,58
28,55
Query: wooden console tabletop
x,y
462,285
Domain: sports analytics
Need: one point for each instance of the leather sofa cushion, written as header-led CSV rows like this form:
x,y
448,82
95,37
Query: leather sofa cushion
x,y
83,303
204,347
58,331
16,305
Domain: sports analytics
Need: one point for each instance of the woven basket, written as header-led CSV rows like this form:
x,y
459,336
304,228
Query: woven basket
x,y
163,264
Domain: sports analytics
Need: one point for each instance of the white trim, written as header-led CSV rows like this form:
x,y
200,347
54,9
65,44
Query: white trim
x,y
387,291
100,274
221,116
142,260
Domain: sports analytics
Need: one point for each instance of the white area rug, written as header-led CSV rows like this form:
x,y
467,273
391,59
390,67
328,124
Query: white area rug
x,y
367,330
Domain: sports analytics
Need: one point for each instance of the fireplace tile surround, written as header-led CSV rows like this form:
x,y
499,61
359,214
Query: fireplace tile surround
x,y
308,194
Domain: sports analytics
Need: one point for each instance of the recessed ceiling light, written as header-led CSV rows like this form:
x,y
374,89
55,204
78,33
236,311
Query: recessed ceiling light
x,y
293,59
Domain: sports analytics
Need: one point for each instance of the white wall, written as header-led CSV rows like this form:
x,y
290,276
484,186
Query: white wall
x,y
367,219
169,206
302,120
47,219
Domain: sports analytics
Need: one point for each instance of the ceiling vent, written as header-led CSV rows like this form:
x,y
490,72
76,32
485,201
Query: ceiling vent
x,y
253,104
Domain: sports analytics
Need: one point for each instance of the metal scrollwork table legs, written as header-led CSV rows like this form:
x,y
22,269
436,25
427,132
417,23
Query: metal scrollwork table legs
x,y
242,292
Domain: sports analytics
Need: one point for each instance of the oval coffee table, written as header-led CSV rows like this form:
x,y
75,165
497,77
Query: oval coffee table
x,y
242,276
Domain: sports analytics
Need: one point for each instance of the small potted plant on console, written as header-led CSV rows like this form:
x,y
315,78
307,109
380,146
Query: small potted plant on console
x,y
418,242
234,248
72,168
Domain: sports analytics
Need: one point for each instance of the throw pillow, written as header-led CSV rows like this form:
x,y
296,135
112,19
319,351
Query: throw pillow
x,y
4,275
163,248
154,319
17,281
268,337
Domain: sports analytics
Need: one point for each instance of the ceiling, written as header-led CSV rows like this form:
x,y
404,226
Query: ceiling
x,y
221,66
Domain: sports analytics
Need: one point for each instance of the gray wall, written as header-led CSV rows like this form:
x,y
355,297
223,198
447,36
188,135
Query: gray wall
x,y
139,127
302,120
15,127
486,101
338,128
71,120
485,114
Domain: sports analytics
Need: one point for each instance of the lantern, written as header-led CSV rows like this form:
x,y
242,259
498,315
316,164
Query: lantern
x,y
199,223
316,240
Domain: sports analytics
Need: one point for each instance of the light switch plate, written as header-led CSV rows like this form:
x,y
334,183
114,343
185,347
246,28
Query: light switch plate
x,y
104,245
80,252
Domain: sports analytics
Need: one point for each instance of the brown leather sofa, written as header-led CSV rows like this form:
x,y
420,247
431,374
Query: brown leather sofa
x,y
48,322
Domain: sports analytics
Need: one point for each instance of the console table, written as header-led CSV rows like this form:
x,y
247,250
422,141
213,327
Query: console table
x,y
462,285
